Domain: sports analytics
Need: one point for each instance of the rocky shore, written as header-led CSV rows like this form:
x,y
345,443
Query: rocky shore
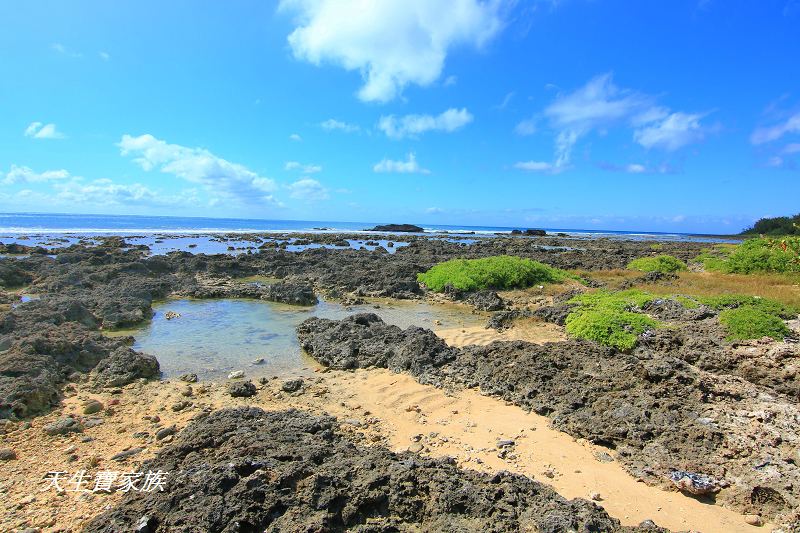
x,y
685,400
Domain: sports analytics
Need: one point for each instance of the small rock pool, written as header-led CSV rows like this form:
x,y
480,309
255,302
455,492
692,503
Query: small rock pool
x,y
214,337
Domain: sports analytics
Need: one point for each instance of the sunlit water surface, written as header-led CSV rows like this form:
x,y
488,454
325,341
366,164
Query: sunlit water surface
x,y
214,337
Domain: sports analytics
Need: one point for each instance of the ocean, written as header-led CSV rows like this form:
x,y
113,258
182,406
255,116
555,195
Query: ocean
x,y
13,225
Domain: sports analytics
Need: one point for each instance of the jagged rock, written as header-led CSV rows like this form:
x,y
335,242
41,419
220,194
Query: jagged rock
x,y
241,389
486,301
124,366
306,476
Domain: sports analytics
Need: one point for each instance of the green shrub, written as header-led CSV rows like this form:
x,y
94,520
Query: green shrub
x,y
748,322
608,317
501,272
734,301
619,329
660,263
621,300
755,255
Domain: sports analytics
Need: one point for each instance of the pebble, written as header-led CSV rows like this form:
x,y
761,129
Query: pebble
x,y
292,385
236,374
416,447
180,406
166,432
505,443
259,361
7,454
92,422
187,391
595,496
121,456
753,520
91,407
62,426
189,378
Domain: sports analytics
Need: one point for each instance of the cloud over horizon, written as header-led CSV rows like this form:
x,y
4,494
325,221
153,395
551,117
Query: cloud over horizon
x,y
219,177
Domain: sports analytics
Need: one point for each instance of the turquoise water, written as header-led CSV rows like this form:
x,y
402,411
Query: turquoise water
x,y
214,337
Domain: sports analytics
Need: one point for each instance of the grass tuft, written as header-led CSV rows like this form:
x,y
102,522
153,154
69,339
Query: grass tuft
x,y
501,272
660,263
610,318
748,322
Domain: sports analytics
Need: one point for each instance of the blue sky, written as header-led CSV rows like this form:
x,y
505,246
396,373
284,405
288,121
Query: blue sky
x,y
665,116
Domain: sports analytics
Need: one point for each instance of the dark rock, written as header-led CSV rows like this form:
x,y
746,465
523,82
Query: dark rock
x,y
364,340
407,228
91,407
62,426
7,454
130,452
242,389
292,471
165,432
124,366
536,232
292,385
290,293
486,301
189,378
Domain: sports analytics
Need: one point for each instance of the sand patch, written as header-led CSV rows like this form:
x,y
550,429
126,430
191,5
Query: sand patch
x,y
534,331
375,406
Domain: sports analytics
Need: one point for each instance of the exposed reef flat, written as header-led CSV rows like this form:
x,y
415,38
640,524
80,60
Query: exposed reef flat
x,y
685,400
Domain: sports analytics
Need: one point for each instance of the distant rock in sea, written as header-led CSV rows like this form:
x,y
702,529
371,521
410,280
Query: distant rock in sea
x,y
410,228
530,232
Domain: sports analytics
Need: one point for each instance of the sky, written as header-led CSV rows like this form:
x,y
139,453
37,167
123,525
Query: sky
x,y
593,114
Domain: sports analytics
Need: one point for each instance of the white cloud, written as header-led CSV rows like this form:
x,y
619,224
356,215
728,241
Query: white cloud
x,y
673,132
526,127
535,166
19,174
392,43
639,168
37,130
332,124
64,51
775,162
197,165
308,189
434,210
414,125
792,148
409,166
635,168
450,81
105,56
305,169
506,100
295,137
600,105
772,133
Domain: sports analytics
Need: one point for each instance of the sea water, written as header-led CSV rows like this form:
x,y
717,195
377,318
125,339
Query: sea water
x,y
214,337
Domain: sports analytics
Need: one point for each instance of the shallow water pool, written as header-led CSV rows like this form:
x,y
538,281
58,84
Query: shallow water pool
x,y
214,337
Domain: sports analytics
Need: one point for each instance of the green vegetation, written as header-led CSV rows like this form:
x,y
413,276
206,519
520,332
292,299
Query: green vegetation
x,y
735,301
755,255
501,272
775,226
660,263
615,319
608,317
749,322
